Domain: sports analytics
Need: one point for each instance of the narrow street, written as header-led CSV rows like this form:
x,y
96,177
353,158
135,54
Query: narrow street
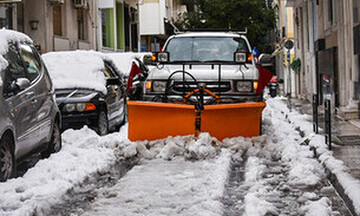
x,y
273,174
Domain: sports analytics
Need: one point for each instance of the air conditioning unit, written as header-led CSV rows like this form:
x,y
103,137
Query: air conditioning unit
x,y
57,1
81,4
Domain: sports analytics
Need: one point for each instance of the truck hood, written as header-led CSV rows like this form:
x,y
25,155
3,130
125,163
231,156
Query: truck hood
x,y
206,72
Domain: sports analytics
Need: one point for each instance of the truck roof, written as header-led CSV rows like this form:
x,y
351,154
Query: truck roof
x,y
207,34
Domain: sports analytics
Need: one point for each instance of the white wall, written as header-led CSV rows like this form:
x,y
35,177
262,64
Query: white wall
x,y
102,4
150,18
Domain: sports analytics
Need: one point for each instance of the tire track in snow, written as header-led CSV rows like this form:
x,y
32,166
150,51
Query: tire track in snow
x,y
267,180
79,198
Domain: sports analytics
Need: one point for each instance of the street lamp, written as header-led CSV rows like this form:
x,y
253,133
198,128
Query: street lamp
x,y
176,30
34,24
289,45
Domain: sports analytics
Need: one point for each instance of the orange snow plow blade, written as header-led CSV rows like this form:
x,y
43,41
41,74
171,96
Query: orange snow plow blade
x,y
232,120
151,121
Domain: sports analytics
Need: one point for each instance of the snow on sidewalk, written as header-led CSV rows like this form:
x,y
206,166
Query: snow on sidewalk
x,y
337,167
44,185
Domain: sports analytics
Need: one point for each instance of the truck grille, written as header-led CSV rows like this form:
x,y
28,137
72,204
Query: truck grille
x,y
187,86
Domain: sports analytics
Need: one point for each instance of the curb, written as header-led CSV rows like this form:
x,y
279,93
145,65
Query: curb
x,y
332,177
336,184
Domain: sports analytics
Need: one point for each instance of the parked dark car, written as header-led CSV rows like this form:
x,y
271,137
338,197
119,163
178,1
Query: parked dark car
x,y
89,90
29,118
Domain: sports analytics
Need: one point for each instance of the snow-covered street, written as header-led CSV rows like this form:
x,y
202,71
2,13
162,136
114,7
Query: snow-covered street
x,y
274,174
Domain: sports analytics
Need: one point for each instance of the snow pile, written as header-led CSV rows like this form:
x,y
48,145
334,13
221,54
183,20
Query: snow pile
x,y
254,203
123,61
76,69
45,184
7,36
187,146
322,207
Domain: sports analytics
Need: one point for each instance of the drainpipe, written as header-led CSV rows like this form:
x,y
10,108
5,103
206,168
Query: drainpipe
x,y
115,27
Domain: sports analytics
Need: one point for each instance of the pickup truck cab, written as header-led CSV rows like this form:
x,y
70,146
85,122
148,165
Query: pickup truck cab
x,y
222,62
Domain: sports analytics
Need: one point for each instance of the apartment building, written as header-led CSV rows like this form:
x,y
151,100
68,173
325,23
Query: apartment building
x,y
54,25
283,56
155,18
118,25
327,38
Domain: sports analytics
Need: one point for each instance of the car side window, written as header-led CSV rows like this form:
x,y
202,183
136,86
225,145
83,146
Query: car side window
x,y
108,71
32,63
14,70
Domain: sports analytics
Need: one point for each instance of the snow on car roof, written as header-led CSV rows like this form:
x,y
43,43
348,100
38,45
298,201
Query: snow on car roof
x,y
208,34
7,36
76,69
123,60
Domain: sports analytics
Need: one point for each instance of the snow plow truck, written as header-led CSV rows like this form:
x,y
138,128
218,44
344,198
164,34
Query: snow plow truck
x,y
201,82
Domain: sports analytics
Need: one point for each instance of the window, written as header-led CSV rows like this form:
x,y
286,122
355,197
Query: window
x,y
330,13
14,70
81,24
32,63
205,48
57,20
109,71
356,4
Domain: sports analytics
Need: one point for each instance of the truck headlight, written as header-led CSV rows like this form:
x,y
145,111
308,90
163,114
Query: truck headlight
x,y
159,86
244,86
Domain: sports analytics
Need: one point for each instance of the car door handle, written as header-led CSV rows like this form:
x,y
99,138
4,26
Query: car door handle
x,y
29,94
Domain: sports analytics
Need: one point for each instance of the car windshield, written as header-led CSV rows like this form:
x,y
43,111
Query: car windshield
x,y
205,48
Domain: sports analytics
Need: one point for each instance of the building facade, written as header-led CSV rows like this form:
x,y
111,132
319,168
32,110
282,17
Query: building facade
x,y
118,25
283,55
156,21
54,25
327,35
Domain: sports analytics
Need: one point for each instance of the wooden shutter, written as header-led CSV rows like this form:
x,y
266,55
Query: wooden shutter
x,y
57,20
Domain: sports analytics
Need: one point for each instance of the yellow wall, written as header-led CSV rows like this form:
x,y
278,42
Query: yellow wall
x,y
290,22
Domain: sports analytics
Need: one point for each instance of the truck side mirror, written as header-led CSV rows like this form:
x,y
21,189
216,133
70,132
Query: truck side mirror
x,y
148,60
265,60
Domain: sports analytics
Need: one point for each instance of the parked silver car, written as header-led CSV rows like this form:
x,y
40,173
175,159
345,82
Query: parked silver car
x,y
29,117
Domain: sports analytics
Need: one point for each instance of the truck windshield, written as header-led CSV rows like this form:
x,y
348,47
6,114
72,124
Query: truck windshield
x,y
205,48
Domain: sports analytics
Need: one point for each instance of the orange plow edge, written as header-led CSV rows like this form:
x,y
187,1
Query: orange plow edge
x,y
151,121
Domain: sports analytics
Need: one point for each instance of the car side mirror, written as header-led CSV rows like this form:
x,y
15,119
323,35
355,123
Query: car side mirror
x,y
265,60
22,83
113,81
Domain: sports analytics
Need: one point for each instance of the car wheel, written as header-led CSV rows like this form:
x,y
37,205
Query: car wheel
x,y
103,126
7,159
124,119
55,142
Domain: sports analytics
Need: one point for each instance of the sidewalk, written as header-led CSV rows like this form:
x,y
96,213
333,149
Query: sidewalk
x,y
345,136
345,148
